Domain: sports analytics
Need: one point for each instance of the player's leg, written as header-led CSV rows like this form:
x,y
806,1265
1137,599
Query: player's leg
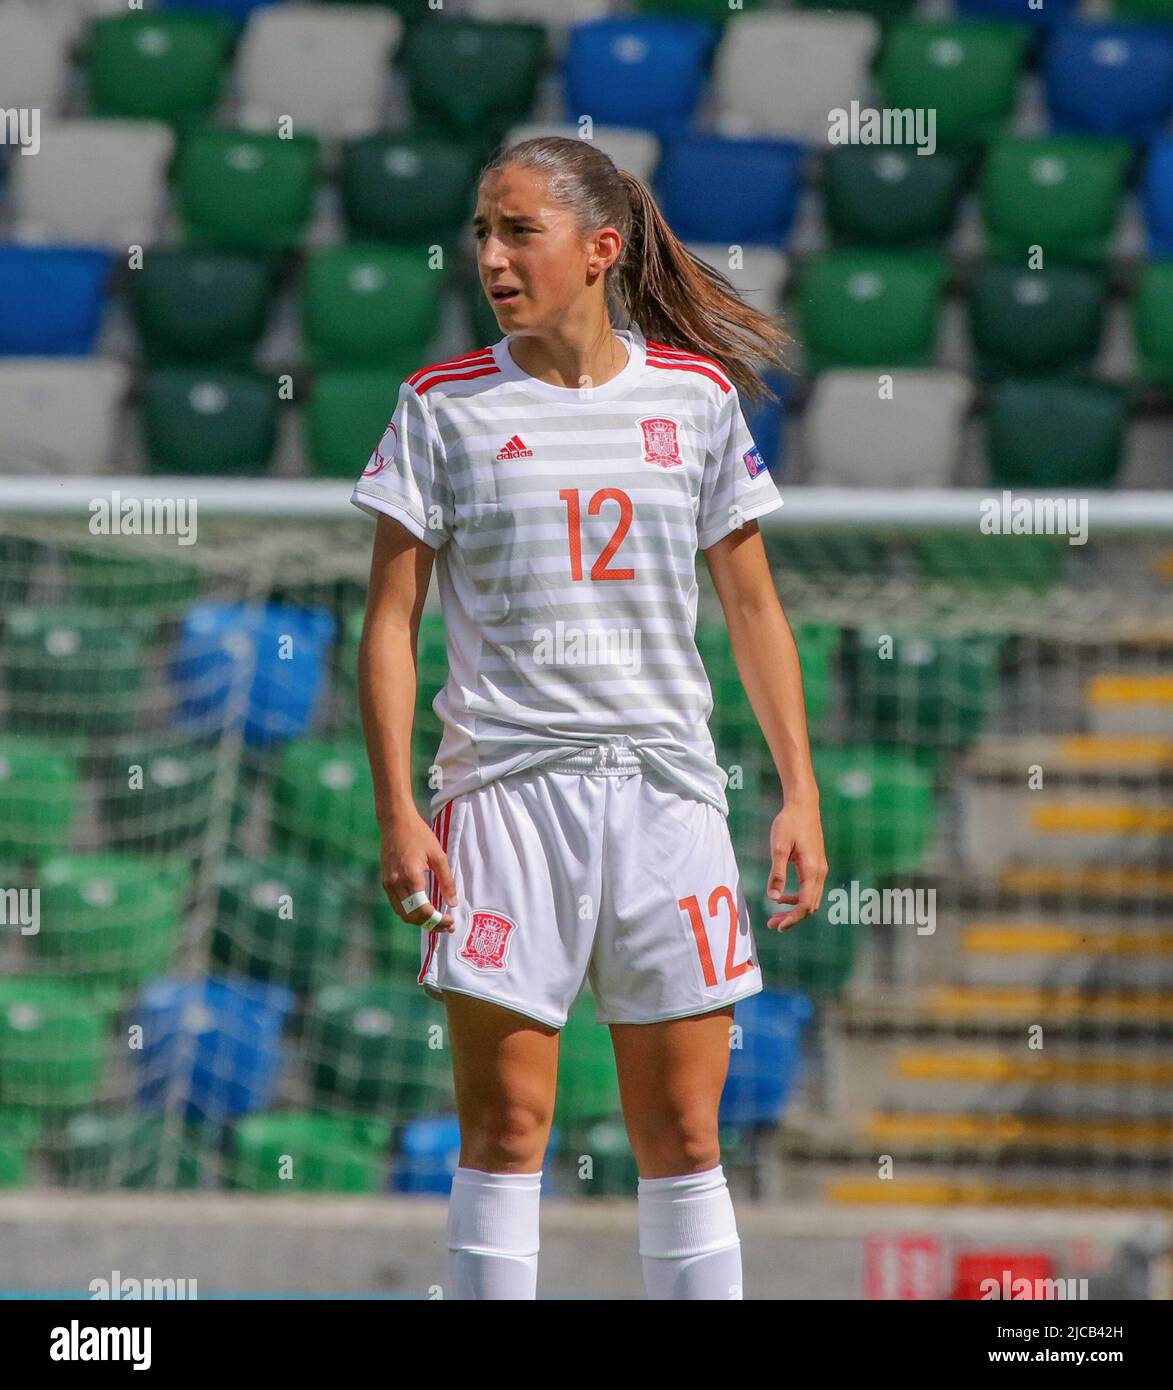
x,y
671,1076
505,1068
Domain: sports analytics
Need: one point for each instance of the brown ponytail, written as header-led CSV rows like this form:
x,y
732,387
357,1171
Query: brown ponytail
x,y
657,283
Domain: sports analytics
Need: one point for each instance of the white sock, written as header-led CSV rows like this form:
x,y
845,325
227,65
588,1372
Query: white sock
x,y
493,1234
688,1237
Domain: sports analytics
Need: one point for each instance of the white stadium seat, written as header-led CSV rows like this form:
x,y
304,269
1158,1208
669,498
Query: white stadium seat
x,y
34,59
70,17
94,183
853,438
761,277
782,74
327,67
539,11
60,415
637,151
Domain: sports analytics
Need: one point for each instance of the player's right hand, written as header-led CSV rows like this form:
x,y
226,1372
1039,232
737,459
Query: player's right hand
x,y
405,855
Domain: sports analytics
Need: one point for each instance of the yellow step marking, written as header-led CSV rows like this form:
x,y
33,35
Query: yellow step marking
x,y
1089,817
1010,1129
1035,1005
1130,690
929,1193
990,1067
1106,748
1045,940
1125,881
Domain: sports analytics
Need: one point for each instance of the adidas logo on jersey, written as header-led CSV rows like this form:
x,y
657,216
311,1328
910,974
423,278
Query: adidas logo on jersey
x,y
514,449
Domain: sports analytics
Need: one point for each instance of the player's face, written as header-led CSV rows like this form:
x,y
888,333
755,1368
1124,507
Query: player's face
x,y
532,262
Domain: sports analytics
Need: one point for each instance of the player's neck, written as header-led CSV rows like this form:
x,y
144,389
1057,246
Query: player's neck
x,y
562,361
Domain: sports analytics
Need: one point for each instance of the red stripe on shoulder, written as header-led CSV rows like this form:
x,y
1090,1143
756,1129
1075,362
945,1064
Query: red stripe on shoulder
x,y
670,356
466,359
677,364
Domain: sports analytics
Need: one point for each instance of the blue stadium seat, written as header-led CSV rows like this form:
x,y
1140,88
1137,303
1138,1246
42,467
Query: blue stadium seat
x,y
764,1070
429,1151
51,300
638,72
1109,79
234,9
1157,197
767,422
716,189
1046,16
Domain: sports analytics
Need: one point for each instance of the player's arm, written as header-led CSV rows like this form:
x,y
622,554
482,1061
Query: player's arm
x,y
768,664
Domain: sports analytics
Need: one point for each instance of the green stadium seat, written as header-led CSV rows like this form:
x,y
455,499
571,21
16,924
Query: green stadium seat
x,y
1055,433
241,191
1062,193
158,794
370,306
588,1085
816,957
877,196
109,919
19,1132
52,1046
1045,320
817,645
99,1150
366,1049
215,420
18,557
1144,11
200,307
708,11
1152,322
295,1151
281,922
877,809
324,803
408,187
871,309
158,66
994,562
614,1171
885,11
966,71
141,591
39,797
71,669
347,415
471,78
922,690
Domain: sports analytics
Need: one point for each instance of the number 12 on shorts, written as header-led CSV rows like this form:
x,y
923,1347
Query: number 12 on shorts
x,y
700,934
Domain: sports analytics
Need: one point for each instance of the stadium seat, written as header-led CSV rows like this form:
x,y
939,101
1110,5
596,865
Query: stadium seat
x,y
817,962
93,183
39,796
74,670
414,188
992,563
885,11
1144,11
853,438
764,1071
1062,193
158,66
760,276
1019,11
366,1048
874,196
1035,320
213,1045
101,1149
967,72
347,414
1109,79
325,69
295,1151
280,921
1055,433
782,74
247,192
715,189
637,151
34,59
537,11
877,807
473,79
52,1046
109,918
157,794
237,10
279,648
870,308
140,591
370,305
219,421
707,11
429,1152
51,301
60,416
1157,196
200,306
588,1086
769,421
1152,322
631,71
323,803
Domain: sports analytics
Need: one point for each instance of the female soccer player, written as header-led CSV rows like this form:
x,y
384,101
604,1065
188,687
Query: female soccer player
x,y
565,478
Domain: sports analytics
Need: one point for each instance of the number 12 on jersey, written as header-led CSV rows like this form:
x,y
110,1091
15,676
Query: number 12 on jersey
x,y
700,933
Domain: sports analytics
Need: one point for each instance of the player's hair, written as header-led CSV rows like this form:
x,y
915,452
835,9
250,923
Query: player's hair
x,y
673,296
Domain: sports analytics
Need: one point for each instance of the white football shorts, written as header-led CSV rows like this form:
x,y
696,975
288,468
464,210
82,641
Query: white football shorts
x,y
590,871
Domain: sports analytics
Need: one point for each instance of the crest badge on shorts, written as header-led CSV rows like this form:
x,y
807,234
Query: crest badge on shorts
x,y
379,459
660,443
487,942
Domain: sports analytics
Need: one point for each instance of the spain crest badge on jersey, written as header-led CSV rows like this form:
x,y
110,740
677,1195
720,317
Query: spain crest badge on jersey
x,y
487,942
660,443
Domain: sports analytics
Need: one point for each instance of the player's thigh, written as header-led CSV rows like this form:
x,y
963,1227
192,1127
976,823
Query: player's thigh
x,y
504,1067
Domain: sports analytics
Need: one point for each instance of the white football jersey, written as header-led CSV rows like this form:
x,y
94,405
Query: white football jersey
x,y
567,523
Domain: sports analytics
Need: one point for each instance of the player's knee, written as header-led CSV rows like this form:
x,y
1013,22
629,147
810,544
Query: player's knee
x,y
511,1138
679,1143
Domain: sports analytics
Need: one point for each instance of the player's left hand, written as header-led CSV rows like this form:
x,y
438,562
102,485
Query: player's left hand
x,y
796,836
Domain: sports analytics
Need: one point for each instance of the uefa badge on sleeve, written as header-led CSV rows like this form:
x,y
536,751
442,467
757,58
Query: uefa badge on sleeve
x,y
754,461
